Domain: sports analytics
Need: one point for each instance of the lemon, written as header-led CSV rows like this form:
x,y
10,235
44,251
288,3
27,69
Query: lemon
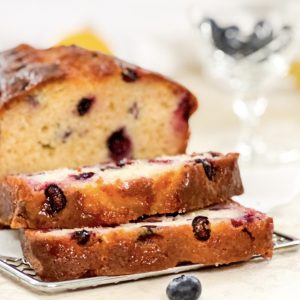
x,y
86,39
295,72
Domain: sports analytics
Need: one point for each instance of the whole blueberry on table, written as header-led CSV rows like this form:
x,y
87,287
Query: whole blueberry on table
x,y
184,288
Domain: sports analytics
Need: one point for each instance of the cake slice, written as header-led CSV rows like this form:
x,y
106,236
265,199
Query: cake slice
x,y
218,235
111,194
69,107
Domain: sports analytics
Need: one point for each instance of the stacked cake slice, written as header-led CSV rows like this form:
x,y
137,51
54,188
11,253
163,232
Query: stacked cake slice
x,y
220,234
134,216
112,194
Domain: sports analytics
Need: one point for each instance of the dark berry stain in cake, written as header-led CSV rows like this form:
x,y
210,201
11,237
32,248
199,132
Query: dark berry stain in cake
x,y
84,105
246,219
119,145
207,166
66,135
83,176
55,199
248,233
249,217
81,237
236,222
134,110
32,100
185,106
129,75
201,228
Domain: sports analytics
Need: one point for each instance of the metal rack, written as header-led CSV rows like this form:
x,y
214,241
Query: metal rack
x,y
21,270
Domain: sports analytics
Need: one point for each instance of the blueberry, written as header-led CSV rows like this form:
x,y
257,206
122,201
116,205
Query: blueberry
x,y
84,105
207,166
83,176
81,237
55,199
201,228
119,145
129,75
184,288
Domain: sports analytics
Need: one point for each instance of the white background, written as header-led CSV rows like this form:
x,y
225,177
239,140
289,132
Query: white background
x,y
158,35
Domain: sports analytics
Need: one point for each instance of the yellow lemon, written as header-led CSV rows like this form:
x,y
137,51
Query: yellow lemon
x,y
86,39
295,72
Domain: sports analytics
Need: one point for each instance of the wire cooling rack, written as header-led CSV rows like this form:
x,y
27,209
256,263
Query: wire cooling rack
x,y
21,270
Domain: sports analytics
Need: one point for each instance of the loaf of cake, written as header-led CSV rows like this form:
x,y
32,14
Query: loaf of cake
x,y
69,107
218,235
112,194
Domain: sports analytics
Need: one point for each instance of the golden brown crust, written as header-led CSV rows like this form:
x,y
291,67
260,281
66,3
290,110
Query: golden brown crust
x,y
185,189
143,249
24,68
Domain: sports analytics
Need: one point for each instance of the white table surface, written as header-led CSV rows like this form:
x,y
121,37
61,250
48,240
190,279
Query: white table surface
x,y
214,127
